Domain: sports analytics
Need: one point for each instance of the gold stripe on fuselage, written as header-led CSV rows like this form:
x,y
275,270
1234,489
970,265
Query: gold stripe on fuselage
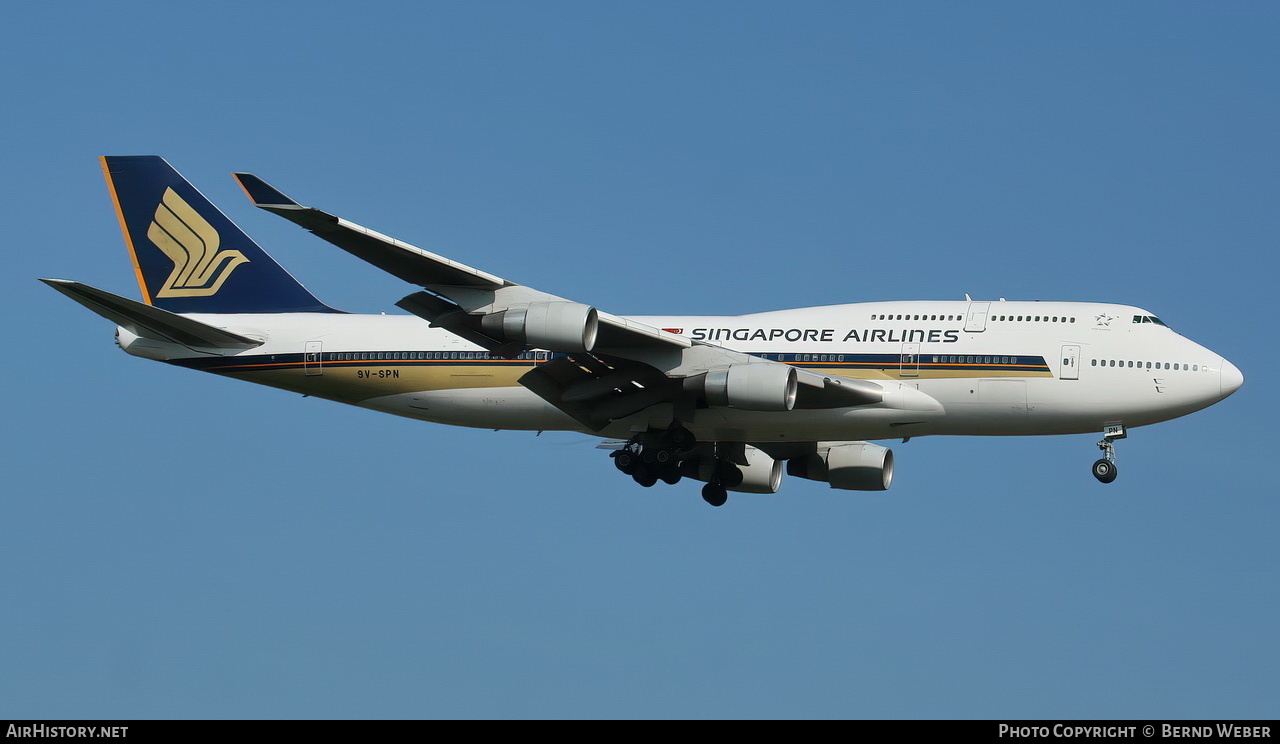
x,y
355,383
360,381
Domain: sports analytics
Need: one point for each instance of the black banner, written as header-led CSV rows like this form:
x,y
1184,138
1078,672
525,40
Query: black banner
x,y
1013,730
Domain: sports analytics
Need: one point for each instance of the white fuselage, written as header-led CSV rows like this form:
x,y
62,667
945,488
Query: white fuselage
x,y
999,368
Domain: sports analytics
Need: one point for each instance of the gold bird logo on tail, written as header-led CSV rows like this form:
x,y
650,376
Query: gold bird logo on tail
x,y
199,268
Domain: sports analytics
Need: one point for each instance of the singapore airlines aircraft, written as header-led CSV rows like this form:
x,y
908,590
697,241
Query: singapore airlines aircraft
x,y
731,401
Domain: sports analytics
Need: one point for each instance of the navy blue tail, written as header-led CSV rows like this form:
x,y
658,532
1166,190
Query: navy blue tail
x,y
189,257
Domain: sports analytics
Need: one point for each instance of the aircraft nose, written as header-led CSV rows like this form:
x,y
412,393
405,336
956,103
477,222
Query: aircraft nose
x,y
1232,378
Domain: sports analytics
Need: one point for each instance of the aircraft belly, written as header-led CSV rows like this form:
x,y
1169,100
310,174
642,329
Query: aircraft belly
x,y
486,408
736,425
1053,406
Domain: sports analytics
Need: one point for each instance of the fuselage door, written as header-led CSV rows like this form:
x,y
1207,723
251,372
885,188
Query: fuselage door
x,y
311,358
909,364
1070,369
975,320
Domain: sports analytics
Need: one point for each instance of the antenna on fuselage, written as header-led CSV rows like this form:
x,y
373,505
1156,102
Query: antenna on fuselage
x,y
967,297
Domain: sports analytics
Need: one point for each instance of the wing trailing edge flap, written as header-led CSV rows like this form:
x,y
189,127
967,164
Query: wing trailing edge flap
x,y
151,322
596,389
441,313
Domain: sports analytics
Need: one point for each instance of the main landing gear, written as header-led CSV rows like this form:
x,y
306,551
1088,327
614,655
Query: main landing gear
x,y
649,459
715,494
1105,469
727,475
669,455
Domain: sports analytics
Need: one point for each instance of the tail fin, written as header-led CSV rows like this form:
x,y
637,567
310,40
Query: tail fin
x,y
188,256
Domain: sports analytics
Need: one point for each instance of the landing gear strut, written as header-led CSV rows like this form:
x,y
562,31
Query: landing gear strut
x,y
1105,469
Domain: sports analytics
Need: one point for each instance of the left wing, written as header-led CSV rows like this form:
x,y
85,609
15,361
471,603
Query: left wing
x,y
470,290
609,367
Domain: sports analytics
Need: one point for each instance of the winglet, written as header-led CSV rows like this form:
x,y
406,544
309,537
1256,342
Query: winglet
x,y
262,193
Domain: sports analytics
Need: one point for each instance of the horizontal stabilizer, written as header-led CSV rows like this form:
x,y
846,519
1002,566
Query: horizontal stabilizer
x,y
150,321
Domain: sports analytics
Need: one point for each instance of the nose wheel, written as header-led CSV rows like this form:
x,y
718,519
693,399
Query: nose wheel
x,y
1105,469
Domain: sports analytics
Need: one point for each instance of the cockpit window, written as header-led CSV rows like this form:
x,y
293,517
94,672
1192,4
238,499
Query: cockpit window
x,y
1148,319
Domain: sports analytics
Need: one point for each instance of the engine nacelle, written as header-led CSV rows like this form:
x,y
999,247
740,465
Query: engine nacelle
x,y
556,326
761,474
753,387
853,467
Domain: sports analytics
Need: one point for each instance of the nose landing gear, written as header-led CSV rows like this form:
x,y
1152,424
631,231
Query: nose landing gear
x,y
1105,469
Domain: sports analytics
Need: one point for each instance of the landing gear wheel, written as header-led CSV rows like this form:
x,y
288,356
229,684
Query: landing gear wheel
x,y
625,461
682,437
669,474
662,456
714,494
1104,470
644,476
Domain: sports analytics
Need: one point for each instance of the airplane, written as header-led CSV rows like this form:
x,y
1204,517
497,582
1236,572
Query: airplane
x,y
730,401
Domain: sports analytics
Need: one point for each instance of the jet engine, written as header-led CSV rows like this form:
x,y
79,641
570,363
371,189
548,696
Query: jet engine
x,y
857,466
753,387
761,474
557,326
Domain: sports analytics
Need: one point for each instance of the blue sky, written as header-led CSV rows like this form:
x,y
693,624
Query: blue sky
x,y
178,545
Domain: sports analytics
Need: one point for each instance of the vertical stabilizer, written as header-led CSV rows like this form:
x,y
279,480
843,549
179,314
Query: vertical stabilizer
x,y
188,256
